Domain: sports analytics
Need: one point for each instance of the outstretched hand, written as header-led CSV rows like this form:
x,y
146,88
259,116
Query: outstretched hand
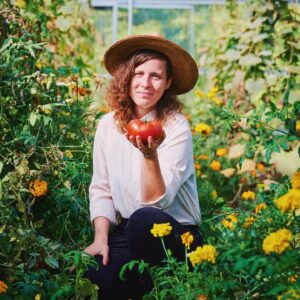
x,y
149,150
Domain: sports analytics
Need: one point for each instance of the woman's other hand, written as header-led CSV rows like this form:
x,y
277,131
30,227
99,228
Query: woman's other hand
x,y
99,247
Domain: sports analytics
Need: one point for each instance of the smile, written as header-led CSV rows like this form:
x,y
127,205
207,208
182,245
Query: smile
x,y
145,93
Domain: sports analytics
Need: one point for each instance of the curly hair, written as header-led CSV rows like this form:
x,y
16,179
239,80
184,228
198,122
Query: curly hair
x,y
118,97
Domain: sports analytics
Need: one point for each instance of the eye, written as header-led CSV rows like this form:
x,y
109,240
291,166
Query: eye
x,y
156,76
138,74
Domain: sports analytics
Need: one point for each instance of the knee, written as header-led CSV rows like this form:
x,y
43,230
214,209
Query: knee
x,y
142,220
145,217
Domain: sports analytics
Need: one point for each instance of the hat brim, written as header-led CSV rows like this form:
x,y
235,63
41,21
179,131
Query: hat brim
x,y
184,67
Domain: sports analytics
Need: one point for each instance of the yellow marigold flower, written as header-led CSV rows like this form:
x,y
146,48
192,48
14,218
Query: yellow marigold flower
x,y
62,126
86,79
289,201
160,230
206,253
203,157
214,194
68,154
248,195
221,152
38,188
260,207
199,93
203,128
290,295
216,100
248,222
212,92
298,125
215,165
277,241
295,181
3,287
37,297
187,239
230,221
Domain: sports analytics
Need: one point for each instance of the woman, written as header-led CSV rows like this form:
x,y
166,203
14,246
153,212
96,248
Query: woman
x,y
137,184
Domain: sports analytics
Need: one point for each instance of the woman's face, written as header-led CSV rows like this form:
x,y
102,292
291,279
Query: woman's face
x,y
148,85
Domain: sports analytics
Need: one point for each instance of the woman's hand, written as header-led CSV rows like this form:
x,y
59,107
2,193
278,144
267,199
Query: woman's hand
x,y
149,150
99,247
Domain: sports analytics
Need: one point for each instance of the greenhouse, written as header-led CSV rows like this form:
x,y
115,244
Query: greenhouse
x,y
150,149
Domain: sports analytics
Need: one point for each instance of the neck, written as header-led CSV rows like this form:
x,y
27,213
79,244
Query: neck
x,y
140,112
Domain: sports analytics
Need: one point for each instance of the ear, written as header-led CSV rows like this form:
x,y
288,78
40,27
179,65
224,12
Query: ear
x,y
169,81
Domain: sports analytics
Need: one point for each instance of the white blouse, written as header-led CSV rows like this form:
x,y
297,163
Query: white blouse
x,y
116,188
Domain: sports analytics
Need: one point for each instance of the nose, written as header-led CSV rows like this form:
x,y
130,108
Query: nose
x,y
145,81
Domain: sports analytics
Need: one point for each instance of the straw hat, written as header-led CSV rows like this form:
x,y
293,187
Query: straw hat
x,y
185,70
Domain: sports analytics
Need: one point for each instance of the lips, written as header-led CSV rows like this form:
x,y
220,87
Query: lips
x,y
145,93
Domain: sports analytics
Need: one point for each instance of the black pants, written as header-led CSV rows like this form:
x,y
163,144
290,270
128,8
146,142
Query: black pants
x,y
132,240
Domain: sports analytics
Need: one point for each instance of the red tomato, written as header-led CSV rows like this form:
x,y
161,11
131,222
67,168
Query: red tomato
x,y
137,127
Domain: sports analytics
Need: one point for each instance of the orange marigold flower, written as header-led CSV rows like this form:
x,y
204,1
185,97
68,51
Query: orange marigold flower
x,y
187,239
197,166
221,152
202,297
215,165
259,207
249,195
293,278
203,157
260,167
295,181
3,287
38,188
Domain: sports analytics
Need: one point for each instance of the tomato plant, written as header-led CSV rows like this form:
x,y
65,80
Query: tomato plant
x,y
137,127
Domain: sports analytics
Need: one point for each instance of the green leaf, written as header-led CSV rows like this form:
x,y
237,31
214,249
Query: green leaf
x,y
268,154
31,51
52,262
21,205
284,145
287,94
32,119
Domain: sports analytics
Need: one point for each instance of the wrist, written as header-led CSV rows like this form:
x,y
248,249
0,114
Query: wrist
x,y
150,155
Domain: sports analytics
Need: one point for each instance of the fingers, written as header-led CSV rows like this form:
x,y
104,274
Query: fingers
x,y
105,256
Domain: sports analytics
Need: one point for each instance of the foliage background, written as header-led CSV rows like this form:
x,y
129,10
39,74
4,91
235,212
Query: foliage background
x,y
52,95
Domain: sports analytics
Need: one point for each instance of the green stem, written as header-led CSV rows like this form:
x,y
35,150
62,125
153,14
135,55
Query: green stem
x,y
225,214
165,249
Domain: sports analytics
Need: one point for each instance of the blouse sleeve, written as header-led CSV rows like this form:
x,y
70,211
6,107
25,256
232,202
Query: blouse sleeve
x,y
101,204
176,161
